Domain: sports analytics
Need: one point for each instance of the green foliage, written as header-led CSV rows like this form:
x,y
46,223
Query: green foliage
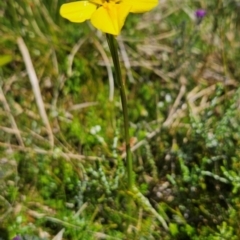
x,y
184,112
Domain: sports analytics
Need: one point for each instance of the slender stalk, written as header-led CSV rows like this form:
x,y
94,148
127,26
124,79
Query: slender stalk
x,y
133,192
112,43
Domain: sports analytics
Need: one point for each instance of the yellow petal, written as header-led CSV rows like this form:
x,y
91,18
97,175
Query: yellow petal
x,y
99,2
110,17
140,6
77,11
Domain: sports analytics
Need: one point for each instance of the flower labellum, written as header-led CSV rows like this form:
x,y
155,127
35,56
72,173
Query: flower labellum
x,y
106,15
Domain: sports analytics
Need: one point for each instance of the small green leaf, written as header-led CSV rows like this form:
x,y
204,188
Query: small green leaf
x,y
173,228
5,59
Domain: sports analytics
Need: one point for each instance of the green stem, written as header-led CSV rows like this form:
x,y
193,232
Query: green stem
x,y
133,190
112,43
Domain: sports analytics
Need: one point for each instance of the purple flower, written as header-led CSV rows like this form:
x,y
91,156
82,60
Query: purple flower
x,y
17,238
200,13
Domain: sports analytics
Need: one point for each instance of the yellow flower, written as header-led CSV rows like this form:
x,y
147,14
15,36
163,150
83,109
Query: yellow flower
x,y
106,15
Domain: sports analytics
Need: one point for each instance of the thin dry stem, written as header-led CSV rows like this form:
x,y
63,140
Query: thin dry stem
x,y
72,54
35,87
107,63
80,106
14,129
59,153
126,60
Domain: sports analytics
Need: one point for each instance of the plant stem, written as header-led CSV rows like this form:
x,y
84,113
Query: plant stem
x,y
133,190
112,43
